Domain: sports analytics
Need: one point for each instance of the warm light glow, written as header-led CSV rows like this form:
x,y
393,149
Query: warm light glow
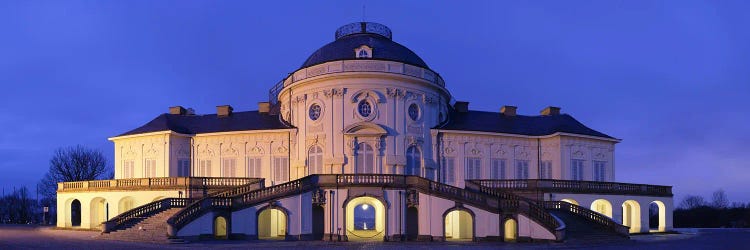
x,y
365,206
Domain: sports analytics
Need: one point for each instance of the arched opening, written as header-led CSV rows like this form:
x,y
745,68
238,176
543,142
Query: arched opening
x,y
657,220
602,206
571,201
315,160
631,215
413,161
272,224
75,213
510,230
459,225
365,159
412,223
318,223
220,227
97,212
125,204
365,219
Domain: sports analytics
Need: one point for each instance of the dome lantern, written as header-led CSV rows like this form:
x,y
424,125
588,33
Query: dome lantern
x,y
364,27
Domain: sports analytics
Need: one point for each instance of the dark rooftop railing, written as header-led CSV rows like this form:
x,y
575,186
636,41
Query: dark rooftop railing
x,y
570,186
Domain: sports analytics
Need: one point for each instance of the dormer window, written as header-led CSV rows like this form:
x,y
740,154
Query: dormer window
x,y
363,51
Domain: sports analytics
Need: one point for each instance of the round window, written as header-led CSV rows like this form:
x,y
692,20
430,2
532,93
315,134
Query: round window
x,y
364,108
413,111
314,112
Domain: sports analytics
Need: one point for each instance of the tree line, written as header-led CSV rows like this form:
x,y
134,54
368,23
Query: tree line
x,y
74,163
695,211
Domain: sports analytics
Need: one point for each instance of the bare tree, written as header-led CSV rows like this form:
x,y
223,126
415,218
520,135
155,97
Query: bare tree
x,y
720,199
692,201
75,163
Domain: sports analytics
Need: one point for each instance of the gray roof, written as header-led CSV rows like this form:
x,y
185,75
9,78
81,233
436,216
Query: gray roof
x,y
198,124
494,122
382,49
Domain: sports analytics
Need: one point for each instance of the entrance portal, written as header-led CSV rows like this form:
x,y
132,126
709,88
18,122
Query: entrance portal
x,y
459,225
75,213
631,215
272,224
365,219
510,229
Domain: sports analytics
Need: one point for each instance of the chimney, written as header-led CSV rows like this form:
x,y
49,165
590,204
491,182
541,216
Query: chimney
x,y
224,110
508,110
177,110
264,107
549,110
461,107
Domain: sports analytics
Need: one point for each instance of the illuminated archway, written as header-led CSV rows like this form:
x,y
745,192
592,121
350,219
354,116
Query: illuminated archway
x,y
631,215
571,201
602,206
98,212
220,228
365,219
272,224
125,204
459,225
510,230
75,213
657,212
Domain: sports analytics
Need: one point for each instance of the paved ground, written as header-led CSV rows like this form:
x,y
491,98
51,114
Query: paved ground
x,y
31,237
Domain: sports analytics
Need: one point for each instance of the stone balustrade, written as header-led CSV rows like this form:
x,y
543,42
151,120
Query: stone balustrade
x,y
154,183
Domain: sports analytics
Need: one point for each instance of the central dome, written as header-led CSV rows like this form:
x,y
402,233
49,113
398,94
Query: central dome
x,y
355,35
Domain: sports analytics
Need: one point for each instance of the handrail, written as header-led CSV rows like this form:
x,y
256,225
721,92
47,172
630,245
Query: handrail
x,y
589,215
572,186
525,205
145,210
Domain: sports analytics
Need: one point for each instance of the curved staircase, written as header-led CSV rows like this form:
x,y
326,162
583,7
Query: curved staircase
x,y
144,229
582,230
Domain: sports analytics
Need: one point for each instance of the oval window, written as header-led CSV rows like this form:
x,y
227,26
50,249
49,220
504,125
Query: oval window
x,y
364,108
314,112
413,111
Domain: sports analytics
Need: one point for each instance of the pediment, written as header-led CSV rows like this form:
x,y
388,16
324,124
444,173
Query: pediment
x,y
365,129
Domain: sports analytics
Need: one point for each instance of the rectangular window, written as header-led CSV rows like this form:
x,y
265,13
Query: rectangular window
x,y
149,169
498,169
204,168
473,168
253,167
449,170
229,167
183,167
280,169
576,170
127,169
546,171
600,171
522,169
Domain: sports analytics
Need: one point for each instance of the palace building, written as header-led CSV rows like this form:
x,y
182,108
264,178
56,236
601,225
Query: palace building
x,y
364,142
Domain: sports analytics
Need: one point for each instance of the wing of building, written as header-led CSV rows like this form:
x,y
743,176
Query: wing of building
x,y
364,141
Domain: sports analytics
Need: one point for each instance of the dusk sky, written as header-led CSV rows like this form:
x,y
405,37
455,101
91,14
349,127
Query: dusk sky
x,y
669,78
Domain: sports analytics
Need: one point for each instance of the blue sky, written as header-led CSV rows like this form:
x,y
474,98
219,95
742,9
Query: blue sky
x,y
670,78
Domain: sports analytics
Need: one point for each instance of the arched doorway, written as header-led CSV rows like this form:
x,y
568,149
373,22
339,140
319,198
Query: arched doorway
x,y
272,224
510,230
75,213
220,227
365,219
412,223
657,219
631,215
571,201
459,225
125,204
602,206
97,212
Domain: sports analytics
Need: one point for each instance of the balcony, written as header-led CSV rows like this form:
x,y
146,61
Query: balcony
x,y
569,186
197,184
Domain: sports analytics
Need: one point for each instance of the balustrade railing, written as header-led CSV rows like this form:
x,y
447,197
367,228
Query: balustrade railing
x,y
143,211
155,183
571,186
589,215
